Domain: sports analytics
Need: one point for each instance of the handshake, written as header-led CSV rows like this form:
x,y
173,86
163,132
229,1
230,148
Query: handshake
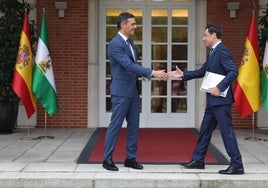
x,y
162,75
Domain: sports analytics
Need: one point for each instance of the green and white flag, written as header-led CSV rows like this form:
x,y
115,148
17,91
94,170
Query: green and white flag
x,y
264,78
43,77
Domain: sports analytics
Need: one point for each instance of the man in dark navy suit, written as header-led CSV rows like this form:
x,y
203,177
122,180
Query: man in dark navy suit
x,y
218,109
124,90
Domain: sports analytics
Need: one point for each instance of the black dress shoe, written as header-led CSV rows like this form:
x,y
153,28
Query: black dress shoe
x,y
232,171
194,165
132,163
109,165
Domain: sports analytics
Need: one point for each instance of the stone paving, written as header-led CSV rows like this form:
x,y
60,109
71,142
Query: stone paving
x,y
26,161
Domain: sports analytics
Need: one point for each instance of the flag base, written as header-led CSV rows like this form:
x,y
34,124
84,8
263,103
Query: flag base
x,y
28,138
45,137
253,138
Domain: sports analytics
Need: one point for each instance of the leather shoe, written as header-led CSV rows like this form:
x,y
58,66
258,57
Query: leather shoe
x,y
109,165
132,163
232,171
194,165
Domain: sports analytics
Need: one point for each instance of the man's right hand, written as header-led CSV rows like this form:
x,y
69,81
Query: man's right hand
x,y
176,74
160,74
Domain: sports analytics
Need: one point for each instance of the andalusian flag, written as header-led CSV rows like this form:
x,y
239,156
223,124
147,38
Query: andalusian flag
x,y
264,78
247,88
43,76
22,78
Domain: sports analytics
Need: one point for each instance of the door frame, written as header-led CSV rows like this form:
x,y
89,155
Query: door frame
x,y
148,119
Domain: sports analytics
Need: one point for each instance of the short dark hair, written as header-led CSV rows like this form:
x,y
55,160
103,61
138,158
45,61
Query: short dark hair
x,y
214,29
123,18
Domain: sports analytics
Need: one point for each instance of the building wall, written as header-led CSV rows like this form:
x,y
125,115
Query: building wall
x,y
68,38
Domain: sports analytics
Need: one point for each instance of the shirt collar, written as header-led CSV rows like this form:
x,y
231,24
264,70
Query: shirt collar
x,y
123,36
215,45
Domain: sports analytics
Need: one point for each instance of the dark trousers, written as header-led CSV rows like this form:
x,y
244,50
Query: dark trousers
x,y
128,109
218,115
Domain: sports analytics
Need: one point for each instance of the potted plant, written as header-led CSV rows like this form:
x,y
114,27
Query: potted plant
x,y
263,33
11,20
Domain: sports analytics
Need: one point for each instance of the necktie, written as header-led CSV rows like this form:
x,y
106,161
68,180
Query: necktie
x,y
130,47
211,51
128,42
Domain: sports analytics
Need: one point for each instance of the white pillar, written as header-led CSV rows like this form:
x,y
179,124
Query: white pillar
x,y
93,64
201,22
262,115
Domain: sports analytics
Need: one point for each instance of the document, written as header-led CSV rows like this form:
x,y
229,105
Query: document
x,y
211,80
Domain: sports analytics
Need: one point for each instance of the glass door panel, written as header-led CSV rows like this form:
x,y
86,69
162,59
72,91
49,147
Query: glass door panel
x,y
159,55
179,56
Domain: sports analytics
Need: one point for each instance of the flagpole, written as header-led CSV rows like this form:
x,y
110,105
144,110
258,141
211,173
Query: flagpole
x,y
28,131
45,135
45,125
43,75
253,138
254,5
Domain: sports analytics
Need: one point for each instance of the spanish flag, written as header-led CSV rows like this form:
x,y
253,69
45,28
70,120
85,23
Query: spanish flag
x,y
247,88
22,78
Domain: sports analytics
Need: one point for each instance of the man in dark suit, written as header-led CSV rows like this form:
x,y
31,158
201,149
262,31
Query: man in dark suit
x,y
124,90
218,109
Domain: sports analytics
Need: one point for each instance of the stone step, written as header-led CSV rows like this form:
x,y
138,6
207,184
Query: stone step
x,y
130,180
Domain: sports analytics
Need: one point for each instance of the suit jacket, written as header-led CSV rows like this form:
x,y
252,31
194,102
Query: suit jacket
x,y
124,68
221,62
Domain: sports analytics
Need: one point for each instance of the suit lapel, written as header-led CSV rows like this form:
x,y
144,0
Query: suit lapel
x,y
127,47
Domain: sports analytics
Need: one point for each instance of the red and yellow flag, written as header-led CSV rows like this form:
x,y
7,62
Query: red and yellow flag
x,y
247,88
22,78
